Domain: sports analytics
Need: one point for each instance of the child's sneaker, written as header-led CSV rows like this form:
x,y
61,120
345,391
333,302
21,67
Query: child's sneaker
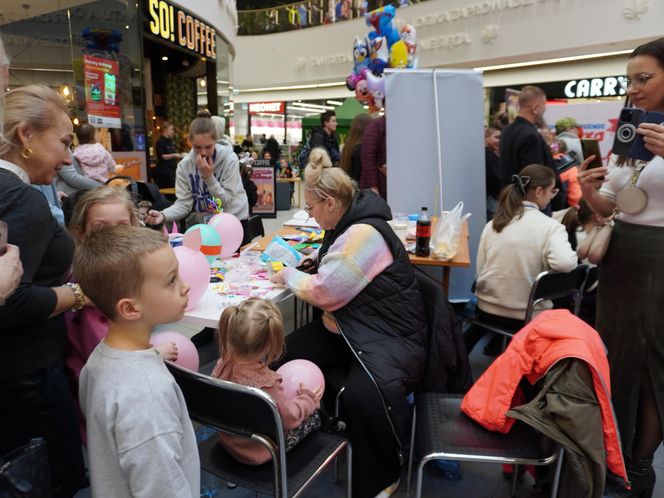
x,y
390,490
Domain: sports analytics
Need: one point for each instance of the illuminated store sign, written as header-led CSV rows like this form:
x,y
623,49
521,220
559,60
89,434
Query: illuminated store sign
x,y
595,87
177,26
271,107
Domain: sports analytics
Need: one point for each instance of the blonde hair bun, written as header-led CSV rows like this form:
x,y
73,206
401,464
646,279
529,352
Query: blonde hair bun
x,y
318,160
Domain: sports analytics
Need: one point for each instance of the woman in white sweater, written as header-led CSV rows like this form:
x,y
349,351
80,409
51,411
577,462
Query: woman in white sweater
x,y
518,244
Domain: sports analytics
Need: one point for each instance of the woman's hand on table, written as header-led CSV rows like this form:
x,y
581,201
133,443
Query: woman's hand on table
x,y
278,278
653,137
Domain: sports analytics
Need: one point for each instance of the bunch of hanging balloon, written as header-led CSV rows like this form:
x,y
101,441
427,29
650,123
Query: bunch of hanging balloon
x,y
387,46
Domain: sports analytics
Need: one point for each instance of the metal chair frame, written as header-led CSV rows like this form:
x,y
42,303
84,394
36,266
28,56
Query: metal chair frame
x,y
555,457
270,435
540,292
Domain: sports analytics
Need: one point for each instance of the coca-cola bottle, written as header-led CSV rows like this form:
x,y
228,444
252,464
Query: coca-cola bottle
x,y
423,234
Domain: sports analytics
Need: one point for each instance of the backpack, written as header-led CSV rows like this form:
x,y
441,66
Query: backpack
x,y
303,156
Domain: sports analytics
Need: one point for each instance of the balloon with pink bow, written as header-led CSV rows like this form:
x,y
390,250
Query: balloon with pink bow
x,y
387,46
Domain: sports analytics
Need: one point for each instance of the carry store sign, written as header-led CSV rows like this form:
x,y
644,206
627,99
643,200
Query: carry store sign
x,y
101,97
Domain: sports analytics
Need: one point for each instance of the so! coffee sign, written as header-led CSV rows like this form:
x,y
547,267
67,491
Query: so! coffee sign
x,y
266,107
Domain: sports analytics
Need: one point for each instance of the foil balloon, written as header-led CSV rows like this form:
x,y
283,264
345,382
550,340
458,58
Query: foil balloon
x,y
399,55
379,53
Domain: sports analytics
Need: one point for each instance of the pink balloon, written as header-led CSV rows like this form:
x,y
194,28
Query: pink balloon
x,y
298,372
195,271
187,352
231,232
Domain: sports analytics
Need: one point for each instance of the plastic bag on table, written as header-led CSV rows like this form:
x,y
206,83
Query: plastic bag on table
x,y
445,241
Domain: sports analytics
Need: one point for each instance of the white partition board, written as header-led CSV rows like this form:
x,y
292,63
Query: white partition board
x,y
414,176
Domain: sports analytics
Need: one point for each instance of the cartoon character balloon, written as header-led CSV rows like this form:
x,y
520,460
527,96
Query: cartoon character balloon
x,y
376,87
381,20
379,53
399,55
360,54
409,37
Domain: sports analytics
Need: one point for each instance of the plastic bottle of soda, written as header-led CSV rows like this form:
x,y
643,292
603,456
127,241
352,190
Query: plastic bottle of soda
x,y
423,233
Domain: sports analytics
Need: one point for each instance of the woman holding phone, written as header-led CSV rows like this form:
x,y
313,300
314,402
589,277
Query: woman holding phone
x,y
631,283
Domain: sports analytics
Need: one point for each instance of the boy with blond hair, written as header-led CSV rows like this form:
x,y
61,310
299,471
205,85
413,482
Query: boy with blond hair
x,y
140,439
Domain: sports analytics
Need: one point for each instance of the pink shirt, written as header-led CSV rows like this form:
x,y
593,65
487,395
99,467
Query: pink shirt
x,y
293,412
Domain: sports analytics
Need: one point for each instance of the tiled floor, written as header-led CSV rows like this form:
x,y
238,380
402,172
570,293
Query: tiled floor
x,y
479,480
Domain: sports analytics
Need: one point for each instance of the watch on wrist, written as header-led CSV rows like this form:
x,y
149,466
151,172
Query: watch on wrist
x,y
78,294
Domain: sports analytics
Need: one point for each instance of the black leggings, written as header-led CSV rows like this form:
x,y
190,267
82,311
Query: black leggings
x,y
375,450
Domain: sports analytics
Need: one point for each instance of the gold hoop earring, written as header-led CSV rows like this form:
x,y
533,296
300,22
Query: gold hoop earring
x,y
27,153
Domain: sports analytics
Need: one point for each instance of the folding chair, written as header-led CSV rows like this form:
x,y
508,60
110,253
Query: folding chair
x,y
445,432
548,285
252,414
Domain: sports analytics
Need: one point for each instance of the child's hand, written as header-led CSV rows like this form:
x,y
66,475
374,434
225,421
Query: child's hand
x,y
154,217
204,165
168,350
316,394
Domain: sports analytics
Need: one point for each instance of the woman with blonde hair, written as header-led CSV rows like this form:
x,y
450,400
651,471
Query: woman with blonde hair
x,y
373,324
36,401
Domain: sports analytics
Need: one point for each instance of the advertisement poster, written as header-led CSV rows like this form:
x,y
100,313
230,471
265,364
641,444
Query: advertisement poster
x,y
130,164
264,178
101,95
596,120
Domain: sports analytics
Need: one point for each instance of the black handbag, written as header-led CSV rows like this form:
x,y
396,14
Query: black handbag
x,y
24,472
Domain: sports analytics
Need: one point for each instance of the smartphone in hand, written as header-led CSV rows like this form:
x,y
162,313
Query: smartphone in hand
x,y
630,118
638,150
590,147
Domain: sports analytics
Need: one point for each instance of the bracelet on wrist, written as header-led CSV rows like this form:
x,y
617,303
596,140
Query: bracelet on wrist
x,y
78,295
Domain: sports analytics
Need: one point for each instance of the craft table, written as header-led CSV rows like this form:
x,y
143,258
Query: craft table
x,y
461,260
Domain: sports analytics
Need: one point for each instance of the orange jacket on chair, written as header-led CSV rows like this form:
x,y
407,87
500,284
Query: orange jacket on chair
x,y
552,336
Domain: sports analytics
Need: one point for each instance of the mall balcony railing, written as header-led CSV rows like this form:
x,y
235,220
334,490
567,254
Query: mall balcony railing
x,y
306,14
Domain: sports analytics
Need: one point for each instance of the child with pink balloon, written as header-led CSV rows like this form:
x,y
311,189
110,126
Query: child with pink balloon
x,y
98,208
251,336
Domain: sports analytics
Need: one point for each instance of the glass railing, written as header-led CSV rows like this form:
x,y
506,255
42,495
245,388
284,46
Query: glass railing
x,y
306,14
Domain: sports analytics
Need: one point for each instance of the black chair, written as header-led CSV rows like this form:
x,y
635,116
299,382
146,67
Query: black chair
x,y
548,285
253,227
252,414
445,432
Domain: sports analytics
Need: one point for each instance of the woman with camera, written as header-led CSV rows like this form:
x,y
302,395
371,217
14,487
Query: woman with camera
x,y
631,283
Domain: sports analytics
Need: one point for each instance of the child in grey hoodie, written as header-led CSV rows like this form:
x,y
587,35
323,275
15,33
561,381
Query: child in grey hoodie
x,y
209,173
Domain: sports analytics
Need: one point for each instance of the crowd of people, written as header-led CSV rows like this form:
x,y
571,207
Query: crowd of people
x,y
80,293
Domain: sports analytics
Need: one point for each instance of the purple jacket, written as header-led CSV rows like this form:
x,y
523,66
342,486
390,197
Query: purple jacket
x,y
374,155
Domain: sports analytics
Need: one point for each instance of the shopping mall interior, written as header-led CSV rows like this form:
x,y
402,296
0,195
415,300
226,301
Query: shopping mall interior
x,y
443,77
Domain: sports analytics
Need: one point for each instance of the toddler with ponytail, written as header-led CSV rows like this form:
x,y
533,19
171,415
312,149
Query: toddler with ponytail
x,y
251,336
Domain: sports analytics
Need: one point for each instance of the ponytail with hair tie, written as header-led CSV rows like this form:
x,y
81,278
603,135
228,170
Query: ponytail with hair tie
x,y
521,183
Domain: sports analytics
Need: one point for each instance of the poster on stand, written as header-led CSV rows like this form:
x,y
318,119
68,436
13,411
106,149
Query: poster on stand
x,y
101,96
596,120
265,179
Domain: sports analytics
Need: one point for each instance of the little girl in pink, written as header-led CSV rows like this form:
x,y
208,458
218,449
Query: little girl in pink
x,y
101,207
96,161
251,336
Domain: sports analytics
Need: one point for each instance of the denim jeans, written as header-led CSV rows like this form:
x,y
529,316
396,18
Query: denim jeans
x,y
39,404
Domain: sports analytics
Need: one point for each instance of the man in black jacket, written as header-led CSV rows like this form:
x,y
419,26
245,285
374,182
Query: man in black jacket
x,y
326,137
521,144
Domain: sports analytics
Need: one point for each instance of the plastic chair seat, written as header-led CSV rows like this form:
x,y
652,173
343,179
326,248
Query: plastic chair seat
x,y
304,462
